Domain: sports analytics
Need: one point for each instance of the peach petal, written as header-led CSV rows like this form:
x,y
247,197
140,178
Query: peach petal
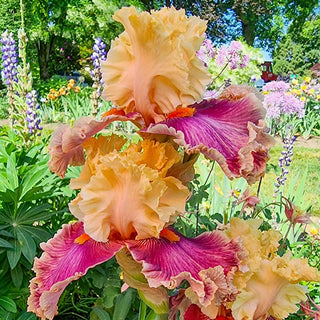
x,y
128,195
155,54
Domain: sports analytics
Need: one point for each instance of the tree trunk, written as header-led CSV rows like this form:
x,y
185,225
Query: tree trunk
x,y
248,33
44,49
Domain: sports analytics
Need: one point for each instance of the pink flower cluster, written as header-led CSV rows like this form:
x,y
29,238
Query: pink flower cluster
x,y
232,55
278,86
206,52
279,101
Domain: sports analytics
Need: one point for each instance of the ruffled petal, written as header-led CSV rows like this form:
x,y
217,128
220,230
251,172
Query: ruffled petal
x,y
168,263
65,145
60,160
128,195
63,261
94,149
152,67
267,293
229,132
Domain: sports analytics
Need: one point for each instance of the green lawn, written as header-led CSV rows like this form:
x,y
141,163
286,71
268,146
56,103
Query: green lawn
x,y
303,179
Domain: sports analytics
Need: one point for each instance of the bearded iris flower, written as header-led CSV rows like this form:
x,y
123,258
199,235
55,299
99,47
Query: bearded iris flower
x,y
129,197
155,79
127,201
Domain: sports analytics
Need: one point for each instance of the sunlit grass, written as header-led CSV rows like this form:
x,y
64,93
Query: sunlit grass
x,y
305,162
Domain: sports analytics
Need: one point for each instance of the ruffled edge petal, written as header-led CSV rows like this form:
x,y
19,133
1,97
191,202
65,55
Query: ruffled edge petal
x,y
229,132
64,259
60,160
65,145
168,263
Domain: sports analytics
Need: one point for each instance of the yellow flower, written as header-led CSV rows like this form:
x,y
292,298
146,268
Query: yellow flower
x,y
295,82
314,230
318,97
270,284
52,90
265,92
62,91
303,99
304,87
307,79
155,54
311,91
76,89
298,92
268,294
129,194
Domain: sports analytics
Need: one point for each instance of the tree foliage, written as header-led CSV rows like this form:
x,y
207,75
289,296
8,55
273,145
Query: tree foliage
x,y
62,32
298,52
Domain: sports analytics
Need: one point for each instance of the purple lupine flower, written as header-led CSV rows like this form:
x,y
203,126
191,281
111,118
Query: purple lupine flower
x,y
9,58
285,161
32,114
99,54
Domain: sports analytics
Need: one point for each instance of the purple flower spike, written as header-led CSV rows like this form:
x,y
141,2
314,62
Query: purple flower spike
x,y
33,118
9,58
99,54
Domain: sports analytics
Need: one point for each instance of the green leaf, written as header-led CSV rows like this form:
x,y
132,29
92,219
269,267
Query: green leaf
x,y
35,194
6,233
152,315
27,214
8,304
98,279
27,316
33,177
5,243
123,305
12,174
9,196
142,310
101,314
17,276
5,315
109,294
14,254
28,246
38,233
4,183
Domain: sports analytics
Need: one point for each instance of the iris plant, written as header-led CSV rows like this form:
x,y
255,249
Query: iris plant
x,y
129,198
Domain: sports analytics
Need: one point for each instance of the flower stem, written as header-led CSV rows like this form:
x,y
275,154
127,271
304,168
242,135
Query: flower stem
x,y
285,238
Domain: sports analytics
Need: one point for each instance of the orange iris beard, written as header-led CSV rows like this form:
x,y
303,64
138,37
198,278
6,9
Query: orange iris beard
x,y
181,113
